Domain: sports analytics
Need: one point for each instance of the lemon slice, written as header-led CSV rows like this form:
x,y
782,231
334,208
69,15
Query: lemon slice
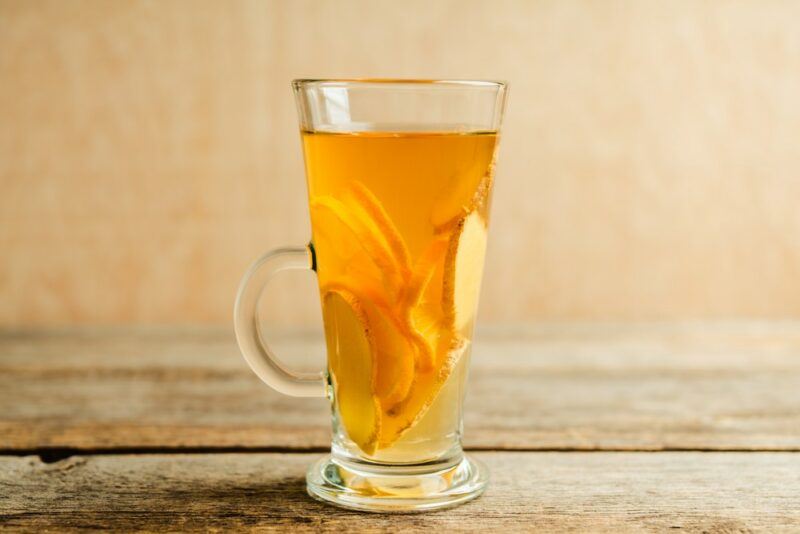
x,y
377,215
352,360
345,227
423,302
463,269
337,243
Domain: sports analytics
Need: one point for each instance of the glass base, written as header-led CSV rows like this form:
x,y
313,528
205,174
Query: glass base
x,y
396,488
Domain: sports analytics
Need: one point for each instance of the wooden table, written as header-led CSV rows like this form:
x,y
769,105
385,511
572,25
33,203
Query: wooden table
x,y
600,428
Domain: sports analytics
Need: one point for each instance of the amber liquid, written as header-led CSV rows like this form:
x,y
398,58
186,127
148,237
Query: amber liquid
x,y
398,226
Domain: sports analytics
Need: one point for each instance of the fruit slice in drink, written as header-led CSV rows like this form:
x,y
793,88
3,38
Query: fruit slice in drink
x,y
395,354
352,353
464,194
375,215
352,242
394,332
442,332
463,269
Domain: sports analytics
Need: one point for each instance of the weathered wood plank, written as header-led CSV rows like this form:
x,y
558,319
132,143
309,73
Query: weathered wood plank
x,y
710,492
683,386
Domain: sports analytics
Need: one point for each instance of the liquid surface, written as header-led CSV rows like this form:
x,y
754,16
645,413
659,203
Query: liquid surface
x,y
399,231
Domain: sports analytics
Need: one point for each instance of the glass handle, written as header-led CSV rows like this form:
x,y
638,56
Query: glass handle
x,y
255,350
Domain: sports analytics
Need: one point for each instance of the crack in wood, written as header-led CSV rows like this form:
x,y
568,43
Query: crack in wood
x,y
49,455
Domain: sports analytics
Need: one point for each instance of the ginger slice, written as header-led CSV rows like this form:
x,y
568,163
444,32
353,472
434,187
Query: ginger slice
x,y
463,270
424,390
352,355
395,354
394,350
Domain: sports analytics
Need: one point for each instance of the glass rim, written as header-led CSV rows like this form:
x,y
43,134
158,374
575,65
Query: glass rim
x,y
334,82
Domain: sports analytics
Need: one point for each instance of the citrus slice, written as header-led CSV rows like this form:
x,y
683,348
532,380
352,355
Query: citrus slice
x,y
345,228
421,305
378,216
352,360
337,242
463,269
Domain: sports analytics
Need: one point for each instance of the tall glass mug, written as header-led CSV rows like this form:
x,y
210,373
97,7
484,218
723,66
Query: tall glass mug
x,y
399,183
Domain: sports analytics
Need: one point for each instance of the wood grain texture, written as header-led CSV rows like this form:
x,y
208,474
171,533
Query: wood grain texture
x,y
720,386
648,168
557,492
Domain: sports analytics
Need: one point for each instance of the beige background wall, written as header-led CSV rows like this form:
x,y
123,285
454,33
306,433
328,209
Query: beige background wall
x,y
650,166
